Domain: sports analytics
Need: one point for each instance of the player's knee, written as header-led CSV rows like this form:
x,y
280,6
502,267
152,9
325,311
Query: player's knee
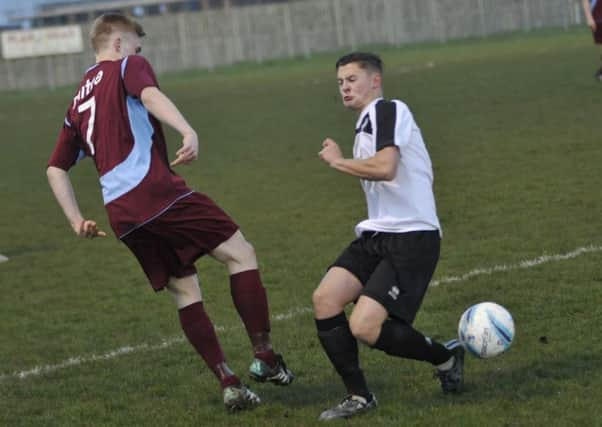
x,y
247,252
323,298
243,253
325,304
358,329
318,298
240,257
363,329
185,291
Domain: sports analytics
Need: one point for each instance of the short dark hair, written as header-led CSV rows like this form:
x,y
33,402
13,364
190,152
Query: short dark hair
x,y
105,24
365,60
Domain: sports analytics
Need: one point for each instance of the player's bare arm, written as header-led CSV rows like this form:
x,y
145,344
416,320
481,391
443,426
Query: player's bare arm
x,y
588,14
381,167
164,109
63,191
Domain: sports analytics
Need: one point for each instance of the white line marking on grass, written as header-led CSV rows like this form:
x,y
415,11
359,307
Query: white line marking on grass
x,y
80,360
168,342
528,263
294,312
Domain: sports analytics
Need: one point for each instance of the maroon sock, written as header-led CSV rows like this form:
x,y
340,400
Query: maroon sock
x,y
268,356
225,375
200,333
251,302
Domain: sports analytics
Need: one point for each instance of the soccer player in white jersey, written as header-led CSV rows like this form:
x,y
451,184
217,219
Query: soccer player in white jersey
x,y
387,268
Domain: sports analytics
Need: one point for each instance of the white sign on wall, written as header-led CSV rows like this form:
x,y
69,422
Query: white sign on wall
x,y
42,41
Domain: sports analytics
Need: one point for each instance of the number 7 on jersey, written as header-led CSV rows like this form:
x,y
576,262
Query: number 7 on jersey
x,y
91,105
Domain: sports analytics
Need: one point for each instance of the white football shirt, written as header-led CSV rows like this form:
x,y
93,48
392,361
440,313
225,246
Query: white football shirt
x,y
406,203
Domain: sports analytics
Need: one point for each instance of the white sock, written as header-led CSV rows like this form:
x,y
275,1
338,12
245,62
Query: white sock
x,y
446,365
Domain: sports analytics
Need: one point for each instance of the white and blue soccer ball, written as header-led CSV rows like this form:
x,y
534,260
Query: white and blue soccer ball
x,y
486,330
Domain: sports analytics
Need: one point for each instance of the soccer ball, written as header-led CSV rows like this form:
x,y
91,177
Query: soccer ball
x,y
486,330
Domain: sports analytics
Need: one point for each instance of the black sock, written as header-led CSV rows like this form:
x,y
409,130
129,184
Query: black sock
x,y
399,339
341,348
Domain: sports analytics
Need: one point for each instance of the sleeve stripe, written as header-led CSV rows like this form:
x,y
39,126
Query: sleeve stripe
x,y
123,65
386,115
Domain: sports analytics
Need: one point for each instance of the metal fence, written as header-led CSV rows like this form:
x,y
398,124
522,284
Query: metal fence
x,y
217,37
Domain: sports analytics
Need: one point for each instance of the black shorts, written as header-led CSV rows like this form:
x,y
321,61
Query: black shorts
x,y
394,268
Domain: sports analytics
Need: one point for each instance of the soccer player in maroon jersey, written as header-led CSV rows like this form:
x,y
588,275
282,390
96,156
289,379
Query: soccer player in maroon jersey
x,y
593,13
114,118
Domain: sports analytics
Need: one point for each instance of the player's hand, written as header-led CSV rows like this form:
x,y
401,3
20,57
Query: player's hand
x,y
89,230
591,23
189,150
330,151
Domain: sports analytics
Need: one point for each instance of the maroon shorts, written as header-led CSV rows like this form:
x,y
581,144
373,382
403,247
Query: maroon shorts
x,y
168,245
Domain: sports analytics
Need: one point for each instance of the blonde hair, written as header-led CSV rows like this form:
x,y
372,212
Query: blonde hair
x,y
108,23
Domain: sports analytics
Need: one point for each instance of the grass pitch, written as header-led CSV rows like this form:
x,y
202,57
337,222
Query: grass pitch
x,y
513,127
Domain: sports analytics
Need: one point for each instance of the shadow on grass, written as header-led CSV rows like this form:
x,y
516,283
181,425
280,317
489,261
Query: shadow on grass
x,y
538,379
301,394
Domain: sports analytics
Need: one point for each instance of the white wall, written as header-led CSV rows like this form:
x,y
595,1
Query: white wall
x,y
217,37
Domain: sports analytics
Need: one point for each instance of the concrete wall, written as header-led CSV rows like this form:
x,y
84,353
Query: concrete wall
x,y
217,37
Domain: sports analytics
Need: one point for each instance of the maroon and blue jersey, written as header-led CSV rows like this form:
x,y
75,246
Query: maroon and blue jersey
x,y
108,122
596,9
